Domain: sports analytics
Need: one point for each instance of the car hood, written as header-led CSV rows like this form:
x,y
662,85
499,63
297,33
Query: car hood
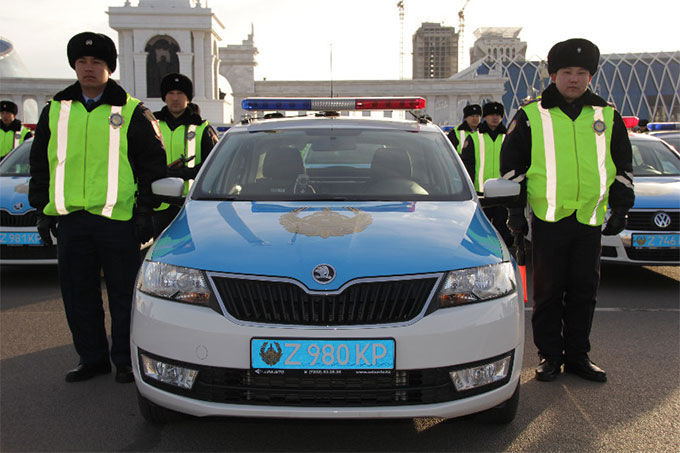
x,y
14,194
359,239
657,192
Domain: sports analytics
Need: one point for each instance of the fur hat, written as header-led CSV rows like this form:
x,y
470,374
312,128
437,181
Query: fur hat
x,y
574,52
88,44
472,109
8,106
493,107
176,81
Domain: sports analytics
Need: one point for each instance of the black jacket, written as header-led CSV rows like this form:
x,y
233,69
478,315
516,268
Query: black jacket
x,y
190,116
516,150
468,153
145,148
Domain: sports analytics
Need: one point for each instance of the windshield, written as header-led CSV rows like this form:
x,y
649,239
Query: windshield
x,y
333,164
16,162
654,158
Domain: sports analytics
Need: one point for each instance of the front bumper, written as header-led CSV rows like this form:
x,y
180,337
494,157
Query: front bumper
x,y
446,338
619,249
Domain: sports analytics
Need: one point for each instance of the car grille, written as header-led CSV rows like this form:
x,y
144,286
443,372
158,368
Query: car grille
x,y
361,303
644,221
669,255
18,220
402,387
28,252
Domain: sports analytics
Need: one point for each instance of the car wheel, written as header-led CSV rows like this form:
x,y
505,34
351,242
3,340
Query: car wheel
x,y
156,414
502,414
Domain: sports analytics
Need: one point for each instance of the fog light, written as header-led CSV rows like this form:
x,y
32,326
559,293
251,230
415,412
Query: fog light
x,y
469,378
168,373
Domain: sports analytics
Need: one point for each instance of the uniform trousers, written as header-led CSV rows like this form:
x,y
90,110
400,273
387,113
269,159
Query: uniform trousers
x,y
86,245
566,275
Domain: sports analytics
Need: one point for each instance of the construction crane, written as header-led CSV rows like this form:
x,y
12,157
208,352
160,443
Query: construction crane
x,y
461,33
400,5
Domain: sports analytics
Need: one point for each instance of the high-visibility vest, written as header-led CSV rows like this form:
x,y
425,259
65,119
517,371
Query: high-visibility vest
x,y
183,140
88,160
11,139
461,136
487,158
571,165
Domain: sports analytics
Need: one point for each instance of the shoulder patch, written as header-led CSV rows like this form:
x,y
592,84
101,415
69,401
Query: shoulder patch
x,y
148,114
511,127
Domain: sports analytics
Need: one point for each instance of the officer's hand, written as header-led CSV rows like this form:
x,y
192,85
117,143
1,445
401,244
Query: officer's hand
x,y
615,224
181,172
47,224
517,222
143,225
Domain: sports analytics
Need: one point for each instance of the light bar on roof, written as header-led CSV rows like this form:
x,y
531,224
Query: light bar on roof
x,y
334,104
630,121
663,126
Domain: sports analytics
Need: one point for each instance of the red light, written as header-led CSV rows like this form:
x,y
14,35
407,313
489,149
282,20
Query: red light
x,y
630,121
390,104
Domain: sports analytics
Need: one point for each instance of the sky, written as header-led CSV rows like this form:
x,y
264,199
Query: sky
x,y
295,38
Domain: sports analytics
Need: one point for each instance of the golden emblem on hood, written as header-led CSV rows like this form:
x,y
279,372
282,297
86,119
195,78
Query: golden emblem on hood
x,y
325,223
271,356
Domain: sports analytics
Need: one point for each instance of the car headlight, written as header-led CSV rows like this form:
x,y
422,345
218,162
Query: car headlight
x,y
477,284
178,283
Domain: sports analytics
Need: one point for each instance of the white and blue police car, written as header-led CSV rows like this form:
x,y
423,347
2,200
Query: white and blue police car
x,y
329,266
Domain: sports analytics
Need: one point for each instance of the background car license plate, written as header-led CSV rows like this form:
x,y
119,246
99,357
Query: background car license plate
x,y
656,240
30,238
322,354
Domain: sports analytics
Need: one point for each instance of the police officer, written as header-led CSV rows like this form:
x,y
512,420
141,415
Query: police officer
x,y
94,156
571,153
472,116
12,133
187,137
481,156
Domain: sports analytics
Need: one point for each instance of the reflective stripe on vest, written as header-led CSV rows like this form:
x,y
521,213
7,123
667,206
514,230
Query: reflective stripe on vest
x,y
88,160
571,167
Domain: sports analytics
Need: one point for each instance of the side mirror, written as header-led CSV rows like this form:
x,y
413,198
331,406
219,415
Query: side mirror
x,y
499,191
169,190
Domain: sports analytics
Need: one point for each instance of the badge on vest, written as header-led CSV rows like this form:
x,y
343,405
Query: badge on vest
x,y
116,120
17,136
191,135
599,127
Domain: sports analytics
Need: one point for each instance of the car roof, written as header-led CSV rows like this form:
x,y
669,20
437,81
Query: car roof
x,y
312,122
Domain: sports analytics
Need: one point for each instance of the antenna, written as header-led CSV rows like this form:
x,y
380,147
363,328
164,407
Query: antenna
x,y
461,33
400,5
331,69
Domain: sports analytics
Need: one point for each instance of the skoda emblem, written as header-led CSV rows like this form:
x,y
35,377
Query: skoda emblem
x,y
599,126
191,135
323,273
116,120
18,206
662,220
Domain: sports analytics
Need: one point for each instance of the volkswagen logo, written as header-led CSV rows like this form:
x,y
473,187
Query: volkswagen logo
x,y
323,273
662,220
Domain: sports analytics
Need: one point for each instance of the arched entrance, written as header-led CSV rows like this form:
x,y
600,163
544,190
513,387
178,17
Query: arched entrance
x,y
161,59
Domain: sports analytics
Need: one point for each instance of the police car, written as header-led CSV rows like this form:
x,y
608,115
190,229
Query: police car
x,y
329,266
652,234
20,242
668,132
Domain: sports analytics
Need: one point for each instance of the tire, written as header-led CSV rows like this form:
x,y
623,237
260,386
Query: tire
x,y
502,414
156,414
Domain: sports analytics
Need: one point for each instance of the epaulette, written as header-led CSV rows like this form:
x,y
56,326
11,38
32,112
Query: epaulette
x,y
527,100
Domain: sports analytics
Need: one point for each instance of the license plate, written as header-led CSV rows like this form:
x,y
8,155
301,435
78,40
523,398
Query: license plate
x,y
20,238
656,240
323,355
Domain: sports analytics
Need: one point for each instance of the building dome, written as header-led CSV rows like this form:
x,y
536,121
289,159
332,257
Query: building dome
x,y
10,62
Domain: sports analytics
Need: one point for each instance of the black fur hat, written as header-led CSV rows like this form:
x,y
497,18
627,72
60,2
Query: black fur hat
x,y
574,52
472,109
8,106
176,81
88,44
493,107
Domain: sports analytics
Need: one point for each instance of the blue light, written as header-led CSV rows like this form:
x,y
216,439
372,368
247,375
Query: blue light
x,y
663,126
276,104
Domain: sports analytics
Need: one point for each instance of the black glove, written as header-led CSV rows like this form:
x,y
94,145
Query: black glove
x,y
182,172
517,222
47,224
143,224
615,224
